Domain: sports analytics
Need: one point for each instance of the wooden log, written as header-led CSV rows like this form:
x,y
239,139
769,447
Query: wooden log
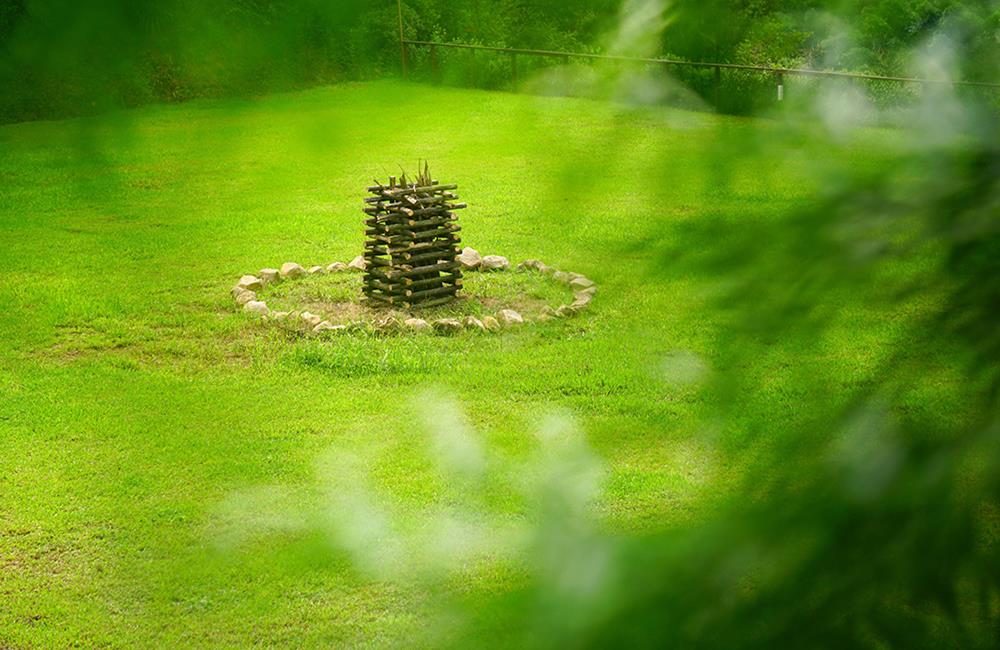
x,y
435,184
403,225
397,191
417,298
386,291
383,301
399,274
371,292
425,259
406,247
411,224
442,246
449,253
396,210
385,288
378,275
420,294
443,218
372,260
401,247
405,213
409,189
431,234
422,270
401,217
410,237
412,200
428,246
384,223
396,259
442,279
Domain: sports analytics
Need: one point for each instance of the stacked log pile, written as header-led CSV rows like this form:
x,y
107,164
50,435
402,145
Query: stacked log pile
x,y
411,243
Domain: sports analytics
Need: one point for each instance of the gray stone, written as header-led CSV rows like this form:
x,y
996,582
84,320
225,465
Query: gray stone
x,y
447,325
336,267
250,283
417,324
548,311
530,265
312,320
580,282
582,299
357,264
279,315
492,324
327,326
386,323
291,270
510,318
473,323
545,269
470,259
561,276
256,307
245,296
494,263
565,311
316,270
270,276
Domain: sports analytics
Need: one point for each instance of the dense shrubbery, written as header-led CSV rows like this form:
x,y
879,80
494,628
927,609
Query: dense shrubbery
x,y
61,58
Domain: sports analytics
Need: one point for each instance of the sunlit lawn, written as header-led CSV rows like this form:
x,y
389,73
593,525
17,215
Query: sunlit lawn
x,y
137,404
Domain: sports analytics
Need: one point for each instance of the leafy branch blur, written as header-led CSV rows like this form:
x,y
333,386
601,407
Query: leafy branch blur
x,y
874,524
869,522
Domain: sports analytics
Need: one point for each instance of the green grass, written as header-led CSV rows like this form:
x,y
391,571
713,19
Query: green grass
x,y
141,412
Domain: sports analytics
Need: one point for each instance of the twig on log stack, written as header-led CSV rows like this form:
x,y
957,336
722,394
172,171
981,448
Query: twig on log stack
x,y
412,242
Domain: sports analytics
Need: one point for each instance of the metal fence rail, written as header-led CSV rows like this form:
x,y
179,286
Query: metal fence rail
x,y
777,75
696,64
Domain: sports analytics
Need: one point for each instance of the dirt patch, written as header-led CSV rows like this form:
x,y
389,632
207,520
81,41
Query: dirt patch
x,y
336,297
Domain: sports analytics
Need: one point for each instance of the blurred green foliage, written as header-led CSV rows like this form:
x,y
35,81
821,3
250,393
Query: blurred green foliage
x,y
873,521
876,524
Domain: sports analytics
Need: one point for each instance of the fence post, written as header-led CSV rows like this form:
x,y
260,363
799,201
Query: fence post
x,y
718,82
513,68
781,86
435,68
403,55
472,55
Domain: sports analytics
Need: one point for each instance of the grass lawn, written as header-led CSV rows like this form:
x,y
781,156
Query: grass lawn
x,y
165,460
